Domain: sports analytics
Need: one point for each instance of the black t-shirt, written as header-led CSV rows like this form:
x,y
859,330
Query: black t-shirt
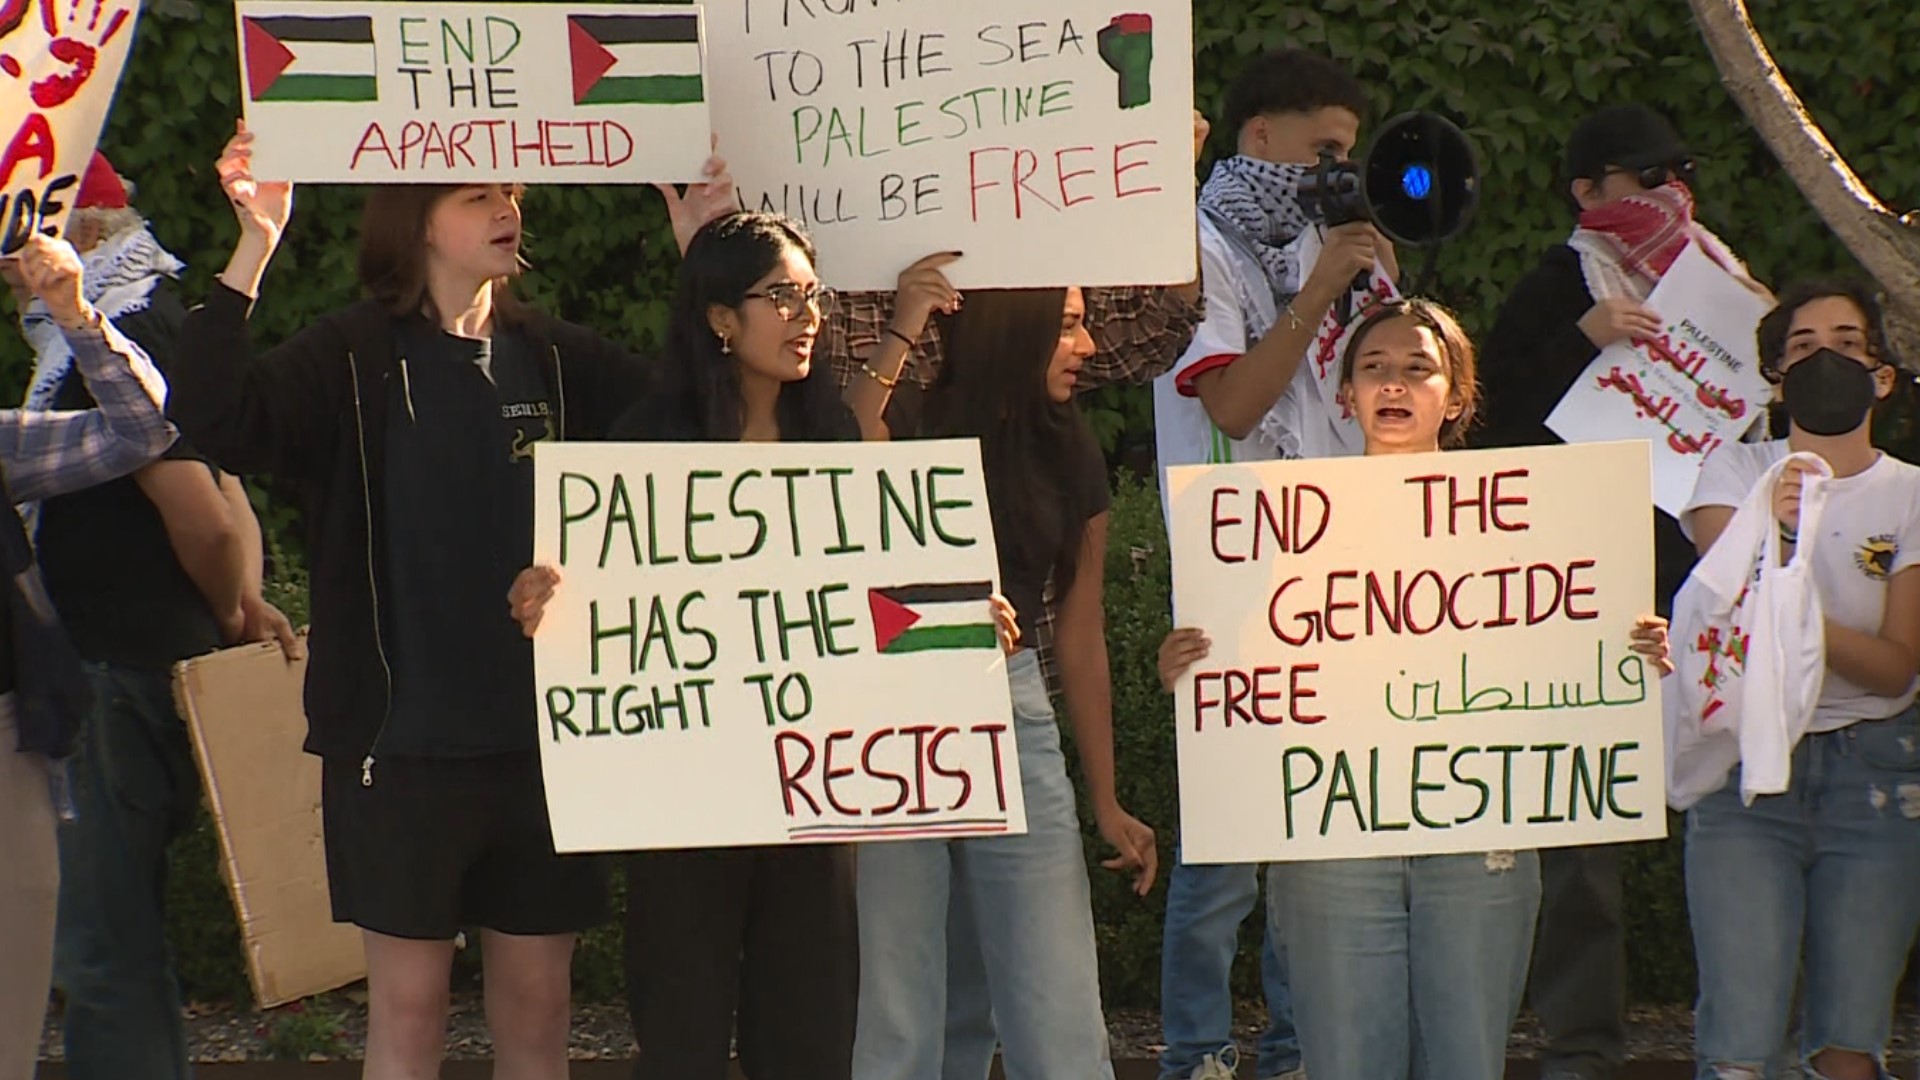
x,y
1023,581
104,553
463,416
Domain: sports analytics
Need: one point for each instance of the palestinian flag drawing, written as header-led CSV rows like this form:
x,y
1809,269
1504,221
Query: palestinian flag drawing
x,y
920,618
310,58
649,59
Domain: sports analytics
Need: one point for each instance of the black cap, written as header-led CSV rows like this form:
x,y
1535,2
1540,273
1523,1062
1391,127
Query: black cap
x,y
1622,136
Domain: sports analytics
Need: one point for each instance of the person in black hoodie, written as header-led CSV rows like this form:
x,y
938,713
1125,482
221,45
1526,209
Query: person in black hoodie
x,y
1629,177
407,421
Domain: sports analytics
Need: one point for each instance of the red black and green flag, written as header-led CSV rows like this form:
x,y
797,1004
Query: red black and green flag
x,y
650,59
310,58
922,618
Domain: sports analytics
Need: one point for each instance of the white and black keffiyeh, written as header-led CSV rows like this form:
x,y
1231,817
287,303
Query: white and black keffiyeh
x,y
1262,200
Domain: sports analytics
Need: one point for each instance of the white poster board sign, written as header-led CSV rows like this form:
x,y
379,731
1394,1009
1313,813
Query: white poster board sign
x,y
1416,654
62,62
1687,392
1052,144
767,644
451,93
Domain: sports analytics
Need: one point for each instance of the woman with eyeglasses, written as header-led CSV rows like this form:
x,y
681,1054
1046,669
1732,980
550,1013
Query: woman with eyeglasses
x,y
762,940
1821,884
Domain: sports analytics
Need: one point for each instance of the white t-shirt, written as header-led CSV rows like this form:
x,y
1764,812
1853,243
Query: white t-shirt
x,y
1240,310
1871,531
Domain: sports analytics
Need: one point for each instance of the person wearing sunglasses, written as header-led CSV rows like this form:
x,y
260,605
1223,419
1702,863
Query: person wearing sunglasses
x,y
1630,181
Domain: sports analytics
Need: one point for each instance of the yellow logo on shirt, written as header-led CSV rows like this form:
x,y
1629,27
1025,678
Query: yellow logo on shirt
x,y
1875,557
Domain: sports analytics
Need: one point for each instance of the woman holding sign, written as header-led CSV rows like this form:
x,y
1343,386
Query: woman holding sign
x,y
1409,966
1822,881
407,420
1021,905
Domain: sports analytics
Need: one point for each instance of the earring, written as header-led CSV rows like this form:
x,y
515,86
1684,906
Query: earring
x,y
726,345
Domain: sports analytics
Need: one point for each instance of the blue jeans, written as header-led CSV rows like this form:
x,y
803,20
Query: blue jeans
x,y
1036,976
1410,967
1205,907
134,789
1825,880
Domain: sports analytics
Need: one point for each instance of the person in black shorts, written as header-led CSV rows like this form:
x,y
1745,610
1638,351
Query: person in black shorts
x,y
407,420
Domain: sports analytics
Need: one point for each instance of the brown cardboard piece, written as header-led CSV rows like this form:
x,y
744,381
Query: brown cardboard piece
x,y
243,708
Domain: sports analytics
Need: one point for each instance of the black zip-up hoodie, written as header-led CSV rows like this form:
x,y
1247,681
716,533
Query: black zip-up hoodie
x,y
313,412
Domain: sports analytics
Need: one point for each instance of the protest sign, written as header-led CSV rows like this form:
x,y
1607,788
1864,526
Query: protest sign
x,y
244,712
455,93
1688,391
1416,654
765,644
62,62
1051,144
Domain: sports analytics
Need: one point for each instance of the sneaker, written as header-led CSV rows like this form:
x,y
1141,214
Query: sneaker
x,y
1222,1066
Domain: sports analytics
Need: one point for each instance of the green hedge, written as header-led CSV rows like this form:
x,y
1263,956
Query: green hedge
x,y
1516,76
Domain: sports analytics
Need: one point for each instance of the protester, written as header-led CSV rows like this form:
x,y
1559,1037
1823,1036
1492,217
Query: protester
x,y
146,571
1237,394
1013,358
407,419
1819,887
43,687
1630,180
1360,933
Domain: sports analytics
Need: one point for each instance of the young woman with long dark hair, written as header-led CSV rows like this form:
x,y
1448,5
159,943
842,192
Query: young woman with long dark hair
x,y
407,420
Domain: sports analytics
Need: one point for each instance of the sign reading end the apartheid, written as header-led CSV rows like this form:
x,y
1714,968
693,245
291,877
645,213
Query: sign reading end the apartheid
x,y
1052,144
385,92
766,644
62,62
1416,654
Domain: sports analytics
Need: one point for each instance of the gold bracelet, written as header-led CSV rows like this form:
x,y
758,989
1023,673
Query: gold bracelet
x,y
879,378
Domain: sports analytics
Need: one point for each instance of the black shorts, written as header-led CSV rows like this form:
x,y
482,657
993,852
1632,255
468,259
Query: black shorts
x,y
437,845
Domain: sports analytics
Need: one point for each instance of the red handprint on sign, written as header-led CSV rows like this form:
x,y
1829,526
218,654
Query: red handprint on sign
x,y
84,19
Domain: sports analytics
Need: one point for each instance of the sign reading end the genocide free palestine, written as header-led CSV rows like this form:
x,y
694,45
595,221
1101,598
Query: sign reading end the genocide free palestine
x,y
1416,654
450,93
765,644
1051,144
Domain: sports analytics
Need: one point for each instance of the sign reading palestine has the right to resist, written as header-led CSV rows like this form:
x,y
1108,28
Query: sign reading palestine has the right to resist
x,y
1416,654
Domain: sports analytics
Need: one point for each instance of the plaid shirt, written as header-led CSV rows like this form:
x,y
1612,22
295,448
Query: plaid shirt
x,y
1138,333
48,453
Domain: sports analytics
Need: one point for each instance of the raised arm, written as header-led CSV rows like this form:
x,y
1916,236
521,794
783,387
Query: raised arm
x,y
52,453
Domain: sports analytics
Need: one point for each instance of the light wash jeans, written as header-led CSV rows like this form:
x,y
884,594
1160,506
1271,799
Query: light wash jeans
x,y
1205,906
1409,967
1823,880
1030,969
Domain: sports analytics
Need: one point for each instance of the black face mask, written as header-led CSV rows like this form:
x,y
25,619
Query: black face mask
x,y
1827,393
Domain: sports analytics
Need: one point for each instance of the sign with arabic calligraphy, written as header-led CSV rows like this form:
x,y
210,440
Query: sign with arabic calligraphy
x,y
1690,390
1416,654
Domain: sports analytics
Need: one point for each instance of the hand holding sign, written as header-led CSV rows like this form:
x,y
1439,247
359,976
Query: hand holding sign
x,y
712,198
924,289
529,595
1619,319
52,271
263,207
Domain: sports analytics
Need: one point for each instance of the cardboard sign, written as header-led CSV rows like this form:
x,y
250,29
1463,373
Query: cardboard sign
x,y
431,92
62,61
243,710
1687,392
1052,144
767,644
1416,654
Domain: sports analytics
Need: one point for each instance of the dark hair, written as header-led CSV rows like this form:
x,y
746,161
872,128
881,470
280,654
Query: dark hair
x,y
393,250
1456,353
701,383
993,386
1291,81
1772,334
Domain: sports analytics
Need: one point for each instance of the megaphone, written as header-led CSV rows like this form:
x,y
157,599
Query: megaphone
x,y
1418,182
